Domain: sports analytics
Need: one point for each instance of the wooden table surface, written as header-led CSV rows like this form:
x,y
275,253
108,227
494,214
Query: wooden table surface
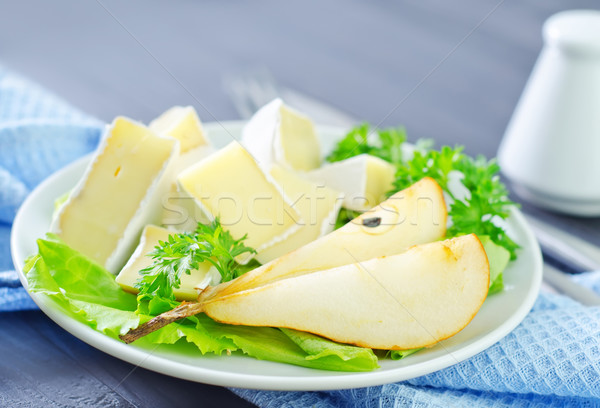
x,y
450,71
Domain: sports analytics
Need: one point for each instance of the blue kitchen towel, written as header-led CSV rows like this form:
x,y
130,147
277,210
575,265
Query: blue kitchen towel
x,y
39,134
552,359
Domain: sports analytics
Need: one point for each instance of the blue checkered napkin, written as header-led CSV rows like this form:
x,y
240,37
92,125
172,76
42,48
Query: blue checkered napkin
x,y
552,359
39,134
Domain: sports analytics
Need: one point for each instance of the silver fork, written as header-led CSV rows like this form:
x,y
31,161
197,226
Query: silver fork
x,y
252,89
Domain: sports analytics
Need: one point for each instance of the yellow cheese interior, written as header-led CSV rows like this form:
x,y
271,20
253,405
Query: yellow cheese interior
x,y
380,179
94,219
230,185
314,202
298,140
183,124
130,273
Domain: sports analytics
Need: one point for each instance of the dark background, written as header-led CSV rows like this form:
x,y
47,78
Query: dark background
x,y
450,71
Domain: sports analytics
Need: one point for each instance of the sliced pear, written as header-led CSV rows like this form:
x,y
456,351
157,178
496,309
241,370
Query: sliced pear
x,y
414,299
412,216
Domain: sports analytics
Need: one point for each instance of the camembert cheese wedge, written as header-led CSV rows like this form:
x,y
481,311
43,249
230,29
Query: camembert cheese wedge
x,y
183,124
279,134
120,192
317,204
230,185
199,278
364,180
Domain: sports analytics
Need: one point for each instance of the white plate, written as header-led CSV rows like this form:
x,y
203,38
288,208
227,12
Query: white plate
x,y
500,314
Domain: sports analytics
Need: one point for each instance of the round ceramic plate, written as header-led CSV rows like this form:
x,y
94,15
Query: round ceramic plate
x,y
500,313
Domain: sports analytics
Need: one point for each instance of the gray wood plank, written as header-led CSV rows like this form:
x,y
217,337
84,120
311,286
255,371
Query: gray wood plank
x,y
43,365
363,57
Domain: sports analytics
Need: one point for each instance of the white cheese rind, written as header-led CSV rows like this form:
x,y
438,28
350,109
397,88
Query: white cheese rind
x,y
151,235
183,124
364,180
277,134
181,212
120,192
230,184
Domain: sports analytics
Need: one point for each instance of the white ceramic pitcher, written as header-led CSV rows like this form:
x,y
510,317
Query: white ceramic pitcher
x,y
551,148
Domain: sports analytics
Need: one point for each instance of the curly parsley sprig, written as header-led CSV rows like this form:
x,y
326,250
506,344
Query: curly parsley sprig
x,y
384,143
429,163
479,212
183,252
488,202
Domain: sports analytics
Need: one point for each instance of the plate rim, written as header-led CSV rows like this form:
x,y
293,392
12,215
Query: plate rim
x,y
339,380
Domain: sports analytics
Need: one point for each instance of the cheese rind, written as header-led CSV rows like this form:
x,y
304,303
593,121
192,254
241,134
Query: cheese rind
x,y
197,279
230,185
182,123
120,192
281,135
317,204
181,213
364,180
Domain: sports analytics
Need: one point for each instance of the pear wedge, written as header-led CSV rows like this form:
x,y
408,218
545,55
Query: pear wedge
x,y
412,216
414,299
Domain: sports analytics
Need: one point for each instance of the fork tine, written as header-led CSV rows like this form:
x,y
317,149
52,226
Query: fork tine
x,y
240,97
250,90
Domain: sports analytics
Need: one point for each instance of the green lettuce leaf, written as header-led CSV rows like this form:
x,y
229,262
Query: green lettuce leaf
x,y
363,359
191,331
105,319
61,200
290,346
498,257
89,293
82,278
400,354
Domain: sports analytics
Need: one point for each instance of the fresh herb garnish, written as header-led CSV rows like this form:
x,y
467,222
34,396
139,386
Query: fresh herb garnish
x,y
183,252
430,163
486,202
384,143
345,216
477,212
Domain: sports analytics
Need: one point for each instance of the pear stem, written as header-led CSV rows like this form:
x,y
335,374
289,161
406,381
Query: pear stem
x,y
186,309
